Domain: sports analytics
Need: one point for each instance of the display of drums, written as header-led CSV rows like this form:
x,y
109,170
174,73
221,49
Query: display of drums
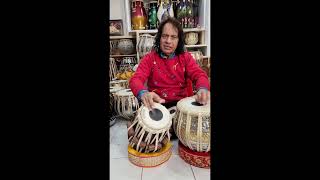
x,y
126,104
112,113
192,124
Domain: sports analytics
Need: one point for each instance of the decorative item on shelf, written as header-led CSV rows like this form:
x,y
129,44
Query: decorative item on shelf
x,y
196,13
112,69
197,55
191,38
145,44
181,12
115,27
126,46
165,10
152,15
138,15
189,15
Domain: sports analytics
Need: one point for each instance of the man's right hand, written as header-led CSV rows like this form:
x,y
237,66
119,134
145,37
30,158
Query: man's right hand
x,y
148,99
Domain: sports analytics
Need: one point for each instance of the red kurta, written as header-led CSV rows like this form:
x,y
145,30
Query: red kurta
x,y
168,77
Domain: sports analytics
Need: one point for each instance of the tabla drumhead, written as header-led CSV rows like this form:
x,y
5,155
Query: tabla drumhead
x,y
190,105
158,118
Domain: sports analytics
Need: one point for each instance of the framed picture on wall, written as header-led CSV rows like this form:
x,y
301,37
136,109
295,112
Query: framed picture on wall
x,y
116,27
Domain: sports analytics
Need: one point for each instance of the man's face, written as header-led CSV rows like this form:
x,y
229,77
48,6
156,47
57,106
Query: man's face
x,y
169,39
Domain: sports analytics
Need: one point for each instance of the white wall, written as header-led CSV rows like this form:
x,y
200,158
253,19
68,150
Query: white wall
x,y
117,12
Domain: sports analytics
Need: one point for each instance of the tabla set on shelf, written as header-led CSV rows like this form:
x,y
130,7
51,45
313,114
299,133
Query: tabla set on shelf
x,y
149,137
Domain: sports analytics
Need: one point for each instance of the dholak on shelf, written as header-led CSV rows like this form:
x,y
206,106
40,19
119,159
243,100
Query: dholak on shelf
x,y
191,124
126,104
150,127
150,159
194,158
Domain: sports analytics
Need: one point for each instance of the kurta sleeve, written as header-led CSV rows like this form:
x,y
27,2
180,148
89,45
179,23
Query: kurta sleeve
x,y
195,73
143,71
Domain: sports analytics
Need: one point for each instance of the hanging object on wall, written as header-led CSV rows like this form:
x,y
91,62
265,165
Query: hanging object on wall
x,y
165,10
152,15
138,15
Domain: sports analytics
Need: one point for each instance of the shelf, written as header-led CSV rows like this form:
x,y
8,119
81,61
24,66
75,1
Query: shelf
x,y
195,46
130,55
205,57
122,37
155,30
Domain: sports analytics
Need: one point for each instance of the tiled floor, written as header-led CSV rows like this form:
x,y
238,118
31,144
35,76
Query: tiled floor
x,y
122,169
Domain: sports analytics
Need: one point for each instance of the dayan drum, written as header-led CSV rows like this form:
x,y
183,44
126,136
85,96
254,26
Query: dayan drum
x,y
126,104
149,133
112,69
145,44
192,123
119,83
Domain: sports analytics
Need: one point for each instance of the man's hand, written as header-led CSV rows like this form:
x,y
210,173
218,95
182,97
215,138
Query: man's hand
x,y
202,96
148,99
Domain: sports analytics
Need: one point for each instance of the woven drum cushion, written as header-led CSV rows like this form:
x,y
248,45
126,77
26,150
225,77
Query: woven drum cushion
x,y
194,158
150,159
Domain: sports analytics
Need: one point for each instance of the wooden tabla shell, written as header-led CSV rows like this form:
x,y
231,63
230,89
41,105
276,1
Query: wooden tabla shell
x,y
119,83
149,130
194,158
192,124
126,104
147,160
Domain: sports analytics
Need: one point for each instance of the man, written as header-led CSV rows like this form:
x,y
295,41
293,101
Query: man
x,y
167,69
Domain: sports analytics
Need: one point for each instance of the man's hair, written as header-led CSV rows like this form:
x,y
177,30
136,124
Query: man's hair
x,y
180,48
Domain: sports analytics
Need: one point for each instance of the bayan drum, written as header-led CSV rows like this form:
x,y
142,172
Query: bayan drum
x,y
198,159
119,83
150,126
126,104
191,124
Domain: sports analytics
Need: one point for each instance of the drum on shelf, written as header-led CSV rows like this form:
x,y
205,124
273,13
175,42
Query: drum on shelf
x,y
150,127
112,69
119,83
198,56
192,123
145,44
126,104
